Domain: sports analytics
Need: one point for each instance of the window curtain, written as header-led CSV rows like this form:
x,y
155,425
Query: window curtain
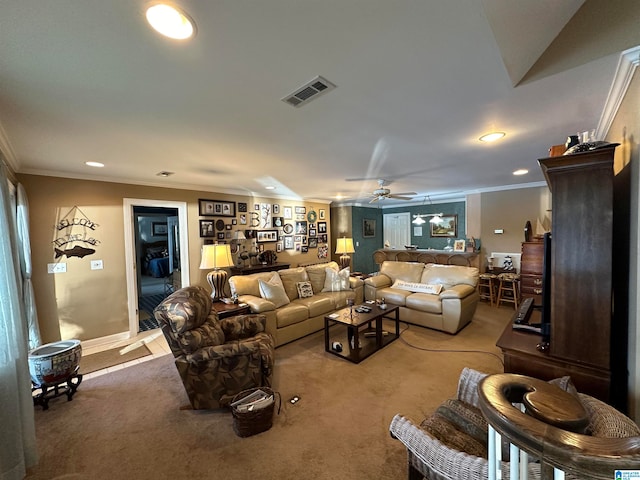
x,y
18,438
25,268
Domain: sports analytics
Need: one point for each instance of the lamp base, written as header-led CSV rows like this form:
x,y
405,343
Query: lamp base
x,y
217,280
345,261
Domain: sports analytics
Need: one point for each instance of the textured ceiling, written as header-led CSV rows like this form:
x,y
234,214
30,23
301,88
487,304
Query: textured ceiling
x,y
417,83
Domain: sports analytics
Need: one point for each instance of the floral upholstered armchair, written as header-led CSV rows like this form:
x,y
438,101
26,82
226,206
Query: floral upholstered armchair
x,y
216,359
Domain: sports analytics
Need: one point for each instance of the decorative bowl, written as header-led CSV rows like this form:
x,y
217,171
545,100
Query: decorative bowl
x,y
54,362
411,247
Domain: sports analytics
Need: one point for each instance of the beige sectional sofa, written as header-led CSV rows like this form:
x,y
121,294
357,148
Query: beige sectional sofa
x,y
292,309
448,307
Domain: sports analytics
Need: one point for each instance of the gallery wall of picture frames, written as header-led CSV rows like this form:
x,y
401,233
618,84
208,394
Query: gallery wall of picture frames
x,y
297,228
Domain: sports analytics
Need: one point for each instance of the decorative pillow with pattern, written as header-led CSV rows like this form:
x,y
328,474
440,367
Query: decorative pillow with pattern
x,y
304,289
417,287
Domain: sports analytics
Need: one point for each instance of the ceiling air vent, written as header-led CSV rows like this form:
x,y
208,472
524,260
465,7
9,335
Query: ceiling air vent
x,y
309,91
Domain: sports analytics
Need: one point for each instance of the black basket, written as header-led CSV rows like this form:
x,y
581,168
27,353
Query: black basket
x,y
249,423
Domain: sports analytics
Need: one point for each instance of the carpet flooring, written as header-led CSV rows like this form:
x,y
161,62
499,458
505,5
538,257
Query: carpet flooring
x,y
338,429
109,358
146,304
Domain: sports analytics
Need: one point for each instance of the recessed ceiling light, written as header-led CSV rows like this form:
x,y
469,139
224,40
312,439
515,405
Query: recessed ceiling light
x,y
521,171
170,22
270,187
94,164
492,137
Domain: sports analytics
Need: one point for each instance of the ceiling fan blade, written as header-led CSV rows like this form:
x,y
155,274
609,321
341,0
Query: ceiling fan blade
x,y
398,197
406,194
374,199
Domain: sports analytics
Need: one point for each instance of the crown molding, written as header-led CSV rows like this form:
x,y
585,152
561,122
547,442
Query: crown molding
x,y
629,60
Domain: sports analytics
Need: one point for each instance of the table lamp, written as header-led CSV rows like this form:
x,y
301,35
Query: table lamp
x,y
344,246
216,256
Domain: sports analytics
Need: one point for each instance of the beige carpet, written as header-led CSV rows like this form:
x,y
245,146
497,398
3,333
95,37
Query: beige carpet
x,y
129,425
109,358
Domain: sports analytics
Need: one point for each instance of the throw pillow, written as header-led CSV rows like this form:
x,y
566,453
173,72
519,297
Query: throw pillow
x,y
304,289
336,281
417,287
274,293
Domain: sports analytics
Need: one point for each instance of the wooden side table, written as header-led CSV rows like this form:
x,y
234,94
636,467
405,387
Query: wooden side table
x,y
225,310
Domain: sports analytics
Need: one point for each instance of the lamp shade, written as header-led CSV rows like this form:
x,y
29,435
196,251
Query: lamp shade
x,y
215,256
345,245
239,235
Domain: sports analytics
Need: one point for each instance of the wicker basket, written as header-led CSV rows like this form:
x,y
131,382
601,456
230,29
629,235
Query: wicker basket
x,y
246,424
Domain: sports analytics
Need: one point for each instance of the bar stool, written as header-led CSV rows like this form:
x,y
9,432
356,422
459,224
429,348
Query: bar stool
x,y
486,287
508,289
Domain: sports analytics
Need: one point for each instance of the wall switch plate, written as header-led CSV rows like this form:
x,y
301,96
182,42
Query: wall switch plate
x,y
96,265
498,230
56,268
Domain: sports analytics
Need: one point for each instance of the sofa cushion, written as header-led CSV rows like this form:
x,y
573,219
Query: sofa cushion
x,y
317,305
317,274
248,284
291,314
449,275
393,295
417,287
336,281
407,271
338,299
273,292
304,289
290,277
424,302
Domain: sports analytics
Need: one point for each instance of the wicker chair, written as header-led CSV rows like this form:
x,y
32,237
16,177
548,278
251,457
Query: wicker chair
x,y
451,443
216,359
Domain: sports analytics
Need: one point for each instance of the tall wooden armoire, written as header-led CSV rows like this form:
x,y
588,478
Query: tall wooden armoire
x,y
589,270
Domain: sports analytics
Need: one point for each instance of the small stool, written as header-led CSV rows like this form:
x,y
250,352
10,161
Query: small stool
x,y
508,289
486,282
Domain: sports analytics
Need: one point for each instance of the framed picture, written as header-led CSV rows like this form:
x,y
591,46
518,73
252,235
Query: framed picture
x,y
459,245
276,209
312,232
265,215
368,228
278,222
322,238
266,236
304,249
448,227
207,228
301,228
242,207
301,210
216,208
287,212
220,235
159,228
313,242
243,219
278,247
322,227
288,242
322,214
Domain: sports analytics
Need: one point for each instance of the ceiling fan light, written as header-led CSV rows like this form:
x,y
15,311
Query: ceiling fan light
x,y
492,136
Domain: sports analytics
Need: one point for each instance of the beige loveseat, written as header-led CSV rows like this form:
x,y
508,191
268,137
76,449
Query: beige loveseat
x,y
296,300
450,305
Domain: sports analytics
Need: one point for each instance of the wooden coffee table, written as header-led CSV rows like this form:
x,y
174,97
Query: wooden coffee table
x,y
361,342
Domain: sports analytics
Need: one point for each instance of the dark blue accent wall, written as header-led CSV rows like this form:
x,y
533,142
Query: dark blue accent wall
x,y
426,241
362,260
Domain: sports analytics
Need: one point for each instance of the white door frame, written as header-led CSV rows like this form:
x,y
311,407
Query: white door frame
x,y
130,248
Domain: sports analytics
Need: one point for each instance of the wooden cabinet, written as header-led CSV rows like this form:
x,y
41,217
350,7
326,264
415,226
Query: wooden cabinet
x,y
589,278
531,263
272,267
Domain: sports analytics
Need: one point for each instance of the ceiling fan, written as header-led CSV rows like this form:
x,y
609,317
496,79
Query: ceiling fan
x,y
382,192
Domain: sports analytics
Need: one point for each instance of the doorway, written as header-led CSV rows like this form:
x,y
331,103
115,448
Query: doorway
x,y
397,229
152,225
